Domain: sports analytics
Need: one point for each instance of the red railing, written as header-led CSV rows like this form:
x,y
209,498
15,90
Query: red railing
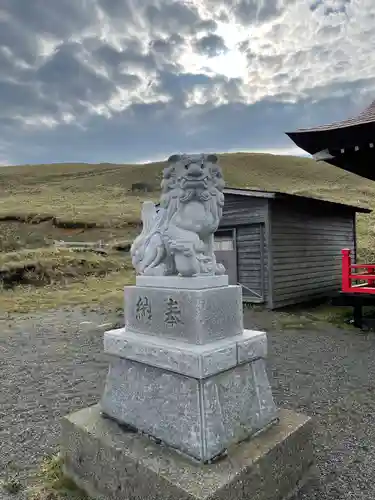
x,y
362,273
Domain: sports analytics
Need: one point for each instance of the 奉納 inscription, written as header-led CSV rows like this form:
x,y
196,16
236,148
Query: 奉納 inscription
x,y
143,309
172,315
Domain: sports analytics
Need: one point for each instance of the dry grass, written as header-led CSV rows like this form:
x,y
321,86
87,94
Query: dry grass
x,y
100,194
49,278
15,236
101,208
51,484
104,291
85,202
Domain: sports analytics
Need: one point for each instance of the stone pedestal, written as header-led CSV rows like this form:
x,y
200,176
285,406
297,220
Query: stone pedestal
x,y
184,371
187,411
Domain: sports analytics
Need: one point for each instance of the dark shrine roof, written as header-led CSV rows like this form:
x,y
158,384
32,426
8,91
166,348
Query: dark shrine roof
x,y
278,195
366,116
347,133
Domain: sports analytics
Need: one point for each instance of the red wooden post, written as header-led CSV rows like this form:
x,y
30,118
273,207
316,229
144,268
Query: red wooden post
x,y
346,270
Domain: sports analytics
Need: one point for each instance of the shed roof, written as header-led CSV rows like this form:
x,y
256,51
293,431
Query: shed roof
x,y
278,195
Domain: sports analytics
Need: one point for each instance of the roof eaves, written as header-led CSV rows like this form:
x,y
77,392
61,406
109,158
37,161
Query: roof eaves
x,y
250,192
363,118
355,208
287,196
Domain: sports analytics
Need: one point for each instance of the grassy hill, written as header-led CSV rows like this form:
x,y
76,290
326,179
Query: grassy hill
x,y
84,202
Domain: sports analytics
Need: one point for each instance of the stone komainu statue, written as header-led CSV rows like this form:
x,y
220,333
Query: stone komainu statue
x,y
177,238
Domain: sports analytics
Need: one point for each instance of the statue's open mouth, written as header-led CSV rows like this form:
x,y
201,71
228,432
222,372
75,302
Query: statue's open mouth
x,y
194,182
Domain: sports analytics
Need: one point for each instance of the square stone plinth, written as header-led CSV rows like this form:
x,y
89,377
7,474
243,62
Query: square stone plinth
x,y
112,463
192,316
200,417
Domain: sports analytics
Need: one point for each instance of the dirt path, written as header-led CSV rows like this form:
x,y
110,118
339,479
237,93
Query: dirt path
x,y
52,364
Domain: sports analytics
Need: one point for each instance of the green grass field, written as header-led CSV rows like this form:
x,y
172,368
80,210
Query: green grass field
x,y
83,202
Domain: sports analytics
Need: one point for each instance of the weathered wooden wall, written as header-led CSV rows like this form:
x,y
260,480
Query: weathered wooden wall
x,y
243,210
305,250
288,251
252,261
249,216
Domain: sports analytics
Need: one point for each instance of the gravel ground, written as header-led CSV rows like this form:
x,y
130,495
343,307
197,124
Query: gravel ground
x,y
52,364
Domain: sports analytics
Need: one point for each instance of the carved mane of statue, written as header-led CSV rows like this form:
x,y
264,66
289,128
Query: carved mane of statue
x,y
177,238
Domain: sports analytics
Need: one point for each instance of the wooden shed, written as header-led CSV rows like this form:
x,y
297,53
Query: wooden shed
x,y
284,249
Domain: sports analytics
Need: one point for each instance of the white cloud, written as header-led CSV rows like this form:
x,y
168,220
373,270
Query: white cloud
x,y
297,51
37,121
145,93
112,60
232,64
287,56
47,46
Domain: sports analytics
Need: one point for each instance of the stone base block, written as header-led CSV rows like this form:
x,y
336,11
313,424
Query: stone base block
x,y
112,463
192,360
191,316
200,417
182,283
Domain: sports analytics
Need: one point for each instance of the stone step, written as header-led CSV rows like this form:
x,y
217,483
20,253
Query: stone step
x,y
182,283
111,463
198,361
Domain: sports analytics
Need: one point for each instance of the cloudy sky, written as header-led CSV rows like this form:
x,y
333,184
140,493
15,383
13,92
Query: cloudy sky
x,y
137,80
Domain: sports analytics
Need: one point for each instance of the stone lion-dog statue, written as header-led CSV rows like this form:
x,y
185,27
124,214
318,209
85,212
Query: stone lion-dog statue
x,y
177,236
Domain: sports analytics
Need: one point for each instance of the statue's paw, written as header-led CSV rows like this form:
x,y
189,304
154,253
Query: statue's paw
x,y
176,246
188,252
173,245
220,269
205,259
155,271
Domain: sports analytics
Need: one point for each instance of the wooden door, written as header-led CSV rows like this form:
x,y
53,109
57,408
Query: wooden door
x,y
225,252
